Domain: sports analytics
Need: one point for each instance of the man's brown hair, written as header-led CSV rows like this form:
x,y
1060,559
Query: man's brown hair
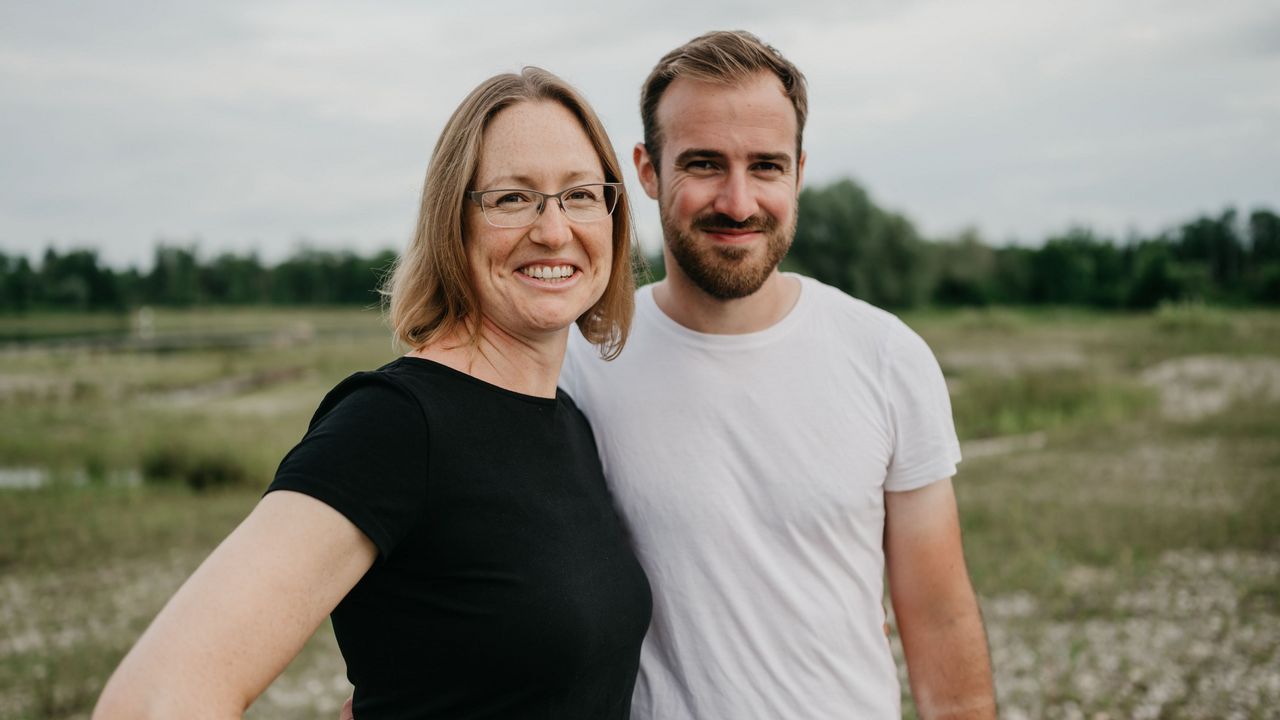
x,y
720,56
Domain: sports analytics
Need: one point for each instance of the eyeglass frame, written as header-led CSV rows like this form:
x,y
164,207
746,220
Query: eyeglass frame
x,y
475,195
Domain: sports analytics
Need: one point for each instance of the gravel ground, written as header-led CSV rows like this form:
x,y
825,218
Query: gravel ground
x,y
1198,638
62,633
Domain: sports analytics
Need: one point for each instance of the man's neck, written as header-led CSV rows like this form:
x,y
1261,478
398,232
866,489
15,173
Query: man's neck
x,y
692,307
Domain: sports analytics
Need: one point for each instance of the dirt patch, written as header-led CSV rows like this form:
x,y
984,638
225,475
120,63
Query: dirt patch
x,y
1192,388
1003,445
1013,362
34,388
202,393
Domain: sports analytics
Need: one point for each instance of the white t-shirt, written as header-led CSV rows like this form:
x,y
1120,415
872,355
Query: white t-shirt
x,y
751,471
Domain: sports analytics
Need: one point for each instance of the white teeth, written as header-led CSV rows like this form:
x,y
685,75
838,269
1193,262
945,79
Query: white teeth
x,y
548,272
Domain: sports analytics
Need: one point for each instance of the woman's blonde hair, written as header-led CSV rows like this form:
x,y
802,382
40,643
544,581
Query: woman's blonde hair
x,y
429,290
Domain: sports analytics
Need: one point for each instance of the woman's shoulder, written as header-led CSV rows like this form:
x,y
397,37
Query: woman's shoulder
x,y
383,389
430,390
404,384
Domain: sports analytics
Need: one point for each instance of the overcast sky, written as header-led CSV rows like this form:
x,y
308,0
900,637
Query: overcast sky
x,y
267,124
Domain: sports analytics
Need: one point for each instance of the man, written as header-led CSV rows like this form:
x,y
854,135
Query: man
x,y
774,445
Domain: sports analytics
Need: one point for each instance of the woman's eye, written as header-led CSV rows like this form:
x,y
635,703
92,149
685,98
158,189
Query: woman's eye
x,y
581,195
512,198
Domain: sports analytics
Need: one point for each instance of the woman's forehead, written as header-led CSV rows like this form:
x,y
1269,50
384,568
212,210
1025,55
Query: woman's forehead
x,y
540,142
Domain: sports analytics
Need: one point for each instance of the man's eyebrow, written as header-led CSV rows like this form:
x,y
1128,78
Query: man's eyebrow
x,y
781,158
697,154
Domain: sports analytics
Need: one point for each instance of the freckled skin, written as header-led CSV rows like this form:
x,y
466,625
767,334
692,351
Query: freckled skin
x,y
539,146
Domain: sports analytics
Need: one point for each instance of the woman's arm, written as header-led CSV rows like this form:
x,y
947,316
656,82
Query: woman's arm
x,y
245,613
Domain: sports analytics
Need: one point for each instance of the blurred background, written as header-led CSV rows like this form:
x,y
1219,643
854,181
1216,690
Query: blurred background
x,y
1075,204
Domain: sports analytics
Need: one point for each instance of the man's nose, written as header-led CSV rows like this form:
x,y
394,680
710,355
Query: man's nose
x,y
736,198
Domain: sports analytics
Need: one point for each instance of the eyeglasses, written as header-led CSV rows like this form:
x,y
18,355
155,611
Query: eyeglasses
x,y
516,208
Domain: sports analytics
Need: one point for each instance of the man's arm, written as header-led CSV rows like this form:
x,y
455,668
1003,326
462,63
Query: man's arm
x,y
937,613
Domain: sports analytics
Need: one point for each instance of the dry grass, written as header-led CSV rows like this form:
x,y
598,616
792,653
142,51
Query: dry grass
x,y
1124,550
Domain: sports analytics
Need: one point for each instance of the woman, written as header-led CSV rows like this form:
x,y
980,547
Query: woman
x,y
448,508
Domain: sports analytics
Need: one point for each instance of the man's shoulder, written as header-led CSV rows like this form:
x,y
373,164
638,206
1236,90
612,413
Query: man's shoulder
x,y
852,314
892,338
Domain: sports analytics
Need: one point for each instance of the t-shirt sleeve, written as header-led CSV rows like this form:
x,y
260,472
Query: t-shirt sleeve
x,y
925,447
574,354
364,455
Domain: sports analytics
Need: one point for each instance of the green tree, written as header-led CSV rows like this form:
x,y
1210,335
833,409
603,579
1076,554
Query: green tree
x,y
966,271
174,278
845,240
1062,271
75,280
18,283
234,279
1216,244
1264,236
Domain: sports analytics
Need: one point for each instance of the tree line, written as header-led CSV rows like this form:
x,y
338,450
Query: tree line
x,y
843,238
78,280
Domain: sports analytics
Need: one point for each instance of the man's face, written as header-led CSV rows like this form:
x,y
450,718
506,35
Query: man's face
x,y
728,181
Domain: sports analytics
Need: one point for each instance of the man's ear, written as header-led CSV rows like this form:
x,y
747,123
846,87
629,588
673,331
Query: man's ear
x,y
646,170
800,171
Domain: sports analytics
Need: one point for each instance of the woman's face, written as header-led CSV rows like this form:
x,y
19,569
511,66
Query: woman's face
x,y
537,280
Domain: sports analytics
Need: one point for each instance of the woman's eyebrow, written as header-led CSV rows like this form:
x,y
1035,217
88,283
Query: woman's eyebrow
x,y
527,181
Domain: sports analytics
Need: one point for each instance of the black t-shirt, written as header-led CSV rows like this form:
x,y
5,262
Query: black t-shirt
x,y
504,585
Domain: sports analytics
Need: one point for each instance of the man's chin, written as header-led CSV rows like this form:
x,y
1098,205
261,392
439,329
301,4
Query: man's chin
x,y
732,254
725,270
726,278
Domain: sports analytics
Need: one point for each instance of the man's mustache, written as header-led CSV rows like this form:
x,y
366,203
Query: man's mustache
x,y
717,222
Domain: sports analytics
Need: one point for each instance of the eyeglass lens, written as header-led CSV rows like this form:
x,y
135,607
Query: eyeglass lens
x,y
517,208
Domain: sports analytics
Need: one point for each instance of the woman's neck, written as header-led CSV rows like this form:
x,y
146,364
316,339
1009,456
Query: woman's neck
x,y
529,366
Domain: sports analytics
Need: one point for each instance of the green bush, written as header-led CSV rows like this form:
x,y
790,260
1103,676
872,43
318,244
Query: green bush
x,y
1192,318
990,405
197,469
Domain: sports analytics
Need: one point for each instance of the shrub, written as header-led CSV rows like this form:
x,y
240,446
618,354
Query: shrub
x,y
198,469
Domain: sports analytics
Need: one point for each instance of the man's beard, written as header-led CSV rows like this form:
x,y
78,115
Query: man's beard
x,y
727,272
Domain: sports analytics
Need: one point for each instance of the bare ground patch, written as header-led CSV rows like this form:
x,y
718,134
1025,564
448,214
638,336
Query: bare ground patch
x,y
1198,637
1012,361
1195,387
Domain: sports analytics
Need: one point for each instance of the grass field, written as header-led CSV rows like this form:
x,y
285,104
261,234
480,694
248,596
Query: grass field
x,y
1120,495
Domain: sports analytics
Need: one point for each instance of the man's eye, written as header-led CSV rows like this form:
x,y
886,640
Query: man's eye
x,y
700,165
769,167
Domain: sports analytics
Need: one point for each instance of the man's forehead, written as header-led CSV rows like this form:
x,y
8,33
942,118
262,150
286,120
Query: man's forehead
x,y
756,110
